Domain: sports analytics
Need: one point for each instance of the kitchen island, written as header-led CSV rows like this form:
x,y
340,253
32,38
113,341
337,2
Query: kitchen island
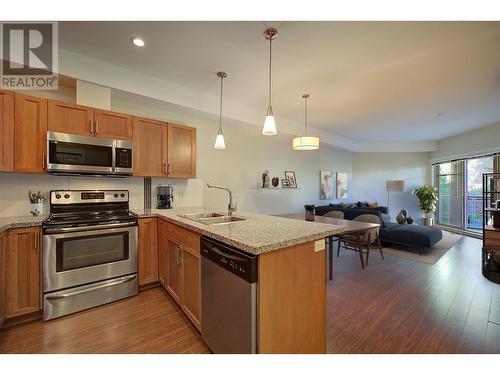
x,y
291,298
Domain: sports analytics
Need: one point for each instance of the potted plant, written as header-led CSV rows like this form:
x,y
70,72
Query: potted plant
x,y
427,196
309,212
36,200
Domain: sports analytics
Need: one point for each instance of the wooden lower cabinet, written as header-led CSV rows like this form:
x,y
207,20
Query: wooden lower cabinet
x,y
191,298
179,267
3,310
21,266
148,251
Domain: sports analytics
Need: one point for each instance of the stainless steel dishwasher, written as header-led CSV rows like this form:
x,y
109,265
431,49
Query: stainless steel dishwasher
x,y
228,298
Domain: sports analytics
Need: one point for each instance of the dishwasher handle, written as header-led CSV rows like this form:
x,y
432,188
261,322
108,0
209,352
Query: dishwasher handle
x,y
223,253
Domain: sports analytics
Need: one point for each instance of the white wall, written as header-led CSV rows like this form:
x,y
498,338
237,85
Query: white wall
x,y
239,167
372,170
477,141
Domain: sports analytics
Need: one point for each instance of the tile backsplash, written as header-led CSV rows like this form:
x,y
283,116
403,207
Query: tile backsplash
x,y
14,188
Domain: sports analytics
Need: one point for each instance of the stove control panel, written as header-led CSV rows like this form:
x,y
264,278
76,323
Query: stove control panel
x,y
88,196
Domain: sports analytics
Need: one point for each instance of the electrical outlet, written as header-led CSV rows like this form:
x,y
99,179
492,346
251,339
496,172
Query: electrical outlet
x,y
181,194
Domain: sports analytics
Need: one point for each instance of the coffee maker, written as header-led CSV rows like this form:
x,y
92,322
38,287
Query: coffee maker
x,y
164,196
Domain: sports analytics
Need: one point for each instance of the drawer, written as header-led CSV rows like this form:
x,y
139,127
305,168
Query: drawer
x,y
185,236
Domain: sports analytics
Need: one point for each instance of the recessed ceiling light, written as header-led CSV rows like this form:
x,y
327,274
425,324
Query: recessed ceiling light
x,y
138,42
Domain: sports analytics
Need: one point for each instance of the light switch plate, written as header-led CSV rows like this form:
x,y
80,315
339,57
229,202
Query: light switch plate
x,y
319,245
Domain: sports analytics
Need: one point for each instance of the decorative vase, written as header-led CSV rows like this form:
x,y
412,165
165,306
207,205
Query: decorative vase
x,y
275,181
309,215
429,221
36,209
409,220
401,218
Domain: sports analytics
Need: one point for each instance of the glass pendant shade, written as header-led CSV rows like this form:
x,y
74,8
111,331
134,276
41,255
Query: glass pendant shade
x,y
269,123
219,142
305,143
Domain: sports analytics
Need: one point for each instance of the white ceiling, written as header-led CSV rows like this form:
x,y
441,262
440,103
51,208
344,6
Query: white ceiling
x,y
368,81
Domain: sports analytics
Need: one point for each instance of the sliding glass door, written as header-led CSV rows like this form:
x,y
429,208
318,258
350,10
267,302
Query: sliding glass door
x,y
459,184
474,190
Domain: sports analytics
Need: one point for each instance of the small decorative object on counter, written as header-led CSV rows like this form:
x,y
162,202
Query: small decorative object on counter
x,y
309,212
36,200
409,220
265,179
401,218
275,181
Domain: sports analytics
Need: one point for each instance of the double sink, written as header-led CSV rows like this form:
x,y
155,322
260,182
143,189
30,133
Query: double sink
x,y
212,218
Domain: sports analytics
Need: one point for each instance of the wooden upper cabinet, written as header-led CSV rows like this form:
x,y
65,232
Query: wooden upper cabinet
x,y
148,155
113,125
181,151
22,271
148,251
30,134
70,118
6,131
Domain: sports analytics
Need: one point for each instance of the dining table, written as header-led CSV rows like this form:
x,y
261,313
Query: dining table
x,y
350,227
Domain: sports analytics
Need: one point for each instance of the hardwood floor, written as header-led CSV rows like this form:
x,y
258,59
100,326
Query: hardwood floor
x,y
400,306
393,306
148,323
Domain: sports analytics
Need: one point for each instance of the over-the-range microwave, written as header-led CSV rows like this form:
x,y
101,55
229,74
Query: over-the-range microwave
x,y
70,154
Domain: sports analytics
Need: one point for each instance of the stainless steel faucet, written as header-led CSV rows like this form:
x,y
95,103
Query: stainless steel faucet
x,y
230,207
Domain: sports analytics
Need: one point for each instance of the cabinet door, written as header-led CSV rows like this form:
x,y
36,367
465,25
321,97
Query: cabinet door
x,y
113,125
191,284
30,134
162,252
22,271
147,154
174,271
6,131
148,251
181,151
70,118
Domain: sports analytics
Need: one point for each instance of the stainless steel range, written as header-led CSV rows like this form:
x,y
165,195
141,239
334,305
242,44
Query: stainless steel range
x,y
89,253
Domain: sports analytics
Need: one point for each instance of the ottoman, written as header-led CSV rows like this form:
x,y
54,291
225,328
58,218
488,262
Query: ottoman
x,y
410,235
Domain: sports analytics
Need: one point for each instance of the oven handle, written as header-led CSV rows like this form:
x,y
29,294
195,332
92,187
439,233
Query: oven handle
x,y
122,280
90,227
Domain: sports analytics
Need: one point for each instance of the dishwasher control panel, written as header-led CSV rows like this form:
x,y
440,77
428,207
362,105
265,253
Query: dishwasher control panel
x,y
233,260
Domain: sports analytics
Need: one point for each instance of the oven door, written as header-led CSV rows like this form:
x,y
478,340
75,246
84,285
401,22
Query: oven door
x,y
69,153
74,256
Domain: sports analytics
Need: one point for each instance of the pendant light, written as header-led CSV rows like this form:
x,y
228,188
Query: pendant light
x,y
219,140
269,123
305,142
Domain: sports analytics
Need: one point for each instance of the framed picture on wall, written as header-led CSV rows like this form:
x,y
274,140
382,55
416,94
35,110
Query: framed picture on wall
x,y
290,176
342,185
325,185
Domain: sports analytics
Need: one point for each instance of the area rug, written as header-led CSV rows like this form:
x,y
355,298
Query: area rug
x,y
429,256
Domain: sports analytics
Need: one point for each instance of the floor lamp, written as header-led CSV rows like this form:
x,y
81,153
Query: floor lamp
x,y
394,186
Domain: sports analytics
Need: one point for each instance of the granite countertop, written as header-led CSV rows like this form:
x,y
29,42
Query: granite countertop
x,y
20,222
256,235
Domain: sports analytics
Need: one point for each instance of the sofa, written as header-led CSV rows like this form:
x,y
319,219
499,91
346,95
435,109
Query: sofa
x,y
410,235
352,210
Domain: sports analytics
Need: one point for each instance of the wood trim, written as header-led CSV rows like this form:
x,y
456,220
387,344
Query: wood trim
x,y
292,300
6,131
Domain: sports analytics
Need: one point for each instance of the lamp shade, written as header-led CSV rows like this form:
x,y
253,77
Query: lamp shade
x,y
305,143
269,126
219,142
395,186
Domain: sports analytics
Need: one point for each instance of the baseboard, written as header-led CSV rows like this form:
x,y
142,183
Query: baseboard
x,y
460,231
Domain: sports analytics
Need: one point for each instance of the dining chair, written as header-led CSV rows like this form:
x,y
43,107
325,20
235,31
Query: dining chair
x,y
335,214
361,240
